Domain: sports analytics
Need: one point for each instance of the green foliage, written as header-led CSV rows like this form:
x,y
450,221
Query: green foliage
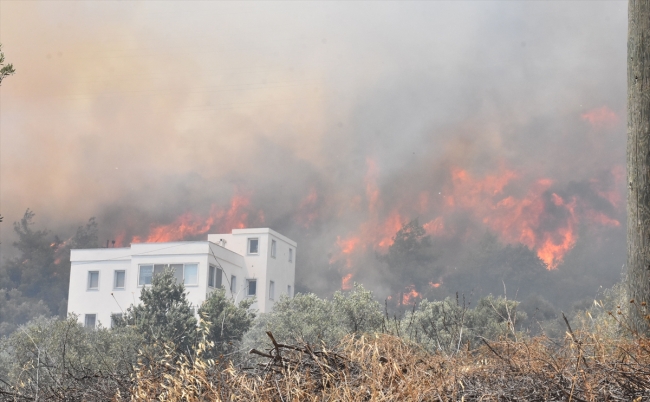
x,y
164,314
42,269
447,325
437,325
357,310
495,317
606,316
16,309
35,267
444,325
308,318
5,70
49,352
225,321
305,316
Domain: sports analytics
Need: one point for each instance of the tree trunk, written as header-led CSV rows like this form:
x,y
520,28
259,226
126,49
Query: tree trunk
x,y
638,161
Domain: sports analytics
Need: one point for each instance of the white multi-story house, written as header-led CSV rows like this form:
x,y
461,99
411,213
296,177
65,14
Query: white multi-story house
x,y
258,263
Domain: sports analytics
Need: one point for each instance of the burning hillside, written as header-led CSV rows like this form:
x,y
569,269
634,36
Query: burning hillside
x,y
333,134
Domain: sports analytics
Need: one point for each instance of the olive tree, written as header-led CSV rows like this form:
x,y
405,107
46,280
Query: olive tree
x,y
226,321
164,314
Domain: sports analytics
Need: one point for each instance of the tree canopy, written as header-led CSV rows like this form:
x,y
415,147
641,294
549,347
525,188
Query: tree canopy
x,y
164,315
5,71
410,259
41,270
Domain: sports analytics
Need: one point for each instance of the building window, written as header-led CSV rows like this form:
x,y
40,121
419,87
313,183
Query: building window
x,y
233,284
93,280
120,279
187,274
89,320
253,246
214,276
211,274
290,255
251,284
273,247
191,275
272,290
289,290
145,276
218,278
177,271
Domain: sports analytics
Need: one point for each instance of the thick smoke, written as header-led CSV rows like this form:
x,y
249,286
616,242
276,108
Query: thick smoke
x,y
331,123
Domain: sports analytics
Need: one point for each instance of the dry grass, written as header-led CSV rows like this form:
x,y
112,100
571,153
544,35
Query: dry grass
x,y
582,367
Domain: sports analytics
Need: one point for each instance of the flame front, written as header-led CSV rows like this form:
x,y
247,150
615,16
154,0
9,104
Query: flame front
x,y
410,295
539,218
190,225
346,282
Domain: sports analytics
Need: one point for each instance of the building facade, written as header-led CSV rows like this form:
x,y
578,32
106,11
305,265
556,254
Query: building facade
x,y
256,263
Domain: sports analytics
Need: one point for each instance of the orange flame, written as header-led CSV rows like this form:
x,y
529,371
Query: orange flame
x,y
410,295
376,233
542,220
346,282
190,225
520,219
435,227
434,285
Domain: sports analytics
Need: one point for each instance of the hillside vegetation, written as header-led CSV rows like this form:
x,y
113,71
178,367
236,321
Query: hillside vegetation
x,y
344,348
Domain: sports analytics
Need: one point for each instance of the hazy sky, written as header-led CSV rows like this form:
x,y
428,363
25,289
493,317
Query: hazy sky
x,y
137,112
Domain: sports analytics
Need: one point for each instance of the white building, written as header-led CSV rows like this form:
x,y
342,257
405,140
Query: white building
x,y
258,263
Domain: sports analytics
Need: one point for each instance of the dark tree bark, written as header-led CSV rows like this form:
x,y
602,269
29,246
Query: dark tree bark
x,y
638,161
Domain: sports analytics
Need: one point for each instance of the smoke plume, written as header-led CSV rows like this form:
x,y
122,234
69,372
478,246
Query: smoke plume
x,y
332,123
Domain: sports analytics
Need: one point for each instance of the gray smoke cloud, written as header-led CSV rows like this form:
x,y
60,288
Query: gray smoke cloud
x,y
330,120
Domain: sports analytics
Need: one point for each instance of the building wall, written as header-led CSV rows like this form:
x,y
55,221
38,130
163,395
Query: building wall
x,y
262,266
232,257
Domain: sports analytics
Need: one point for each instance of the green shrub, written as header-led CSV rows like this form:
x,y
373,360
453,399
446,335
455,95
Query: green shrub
x,y
164,314
54,353
226,322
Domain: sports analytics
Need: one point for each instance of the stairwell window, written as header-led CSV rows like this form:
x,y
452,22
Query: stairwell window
x,y
290,255
253,246
93,280
273,248
233,284
272,290
214,277
289,290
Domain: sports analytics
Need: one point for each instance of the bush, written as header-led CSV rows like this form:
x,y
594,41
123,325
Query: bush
x,y
226,322
308,318
357,311
15,310
49,356
165,315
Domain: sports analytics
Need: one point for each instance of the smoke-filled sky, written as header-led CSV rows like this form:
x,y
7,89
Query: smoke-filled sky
x,y
331,122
